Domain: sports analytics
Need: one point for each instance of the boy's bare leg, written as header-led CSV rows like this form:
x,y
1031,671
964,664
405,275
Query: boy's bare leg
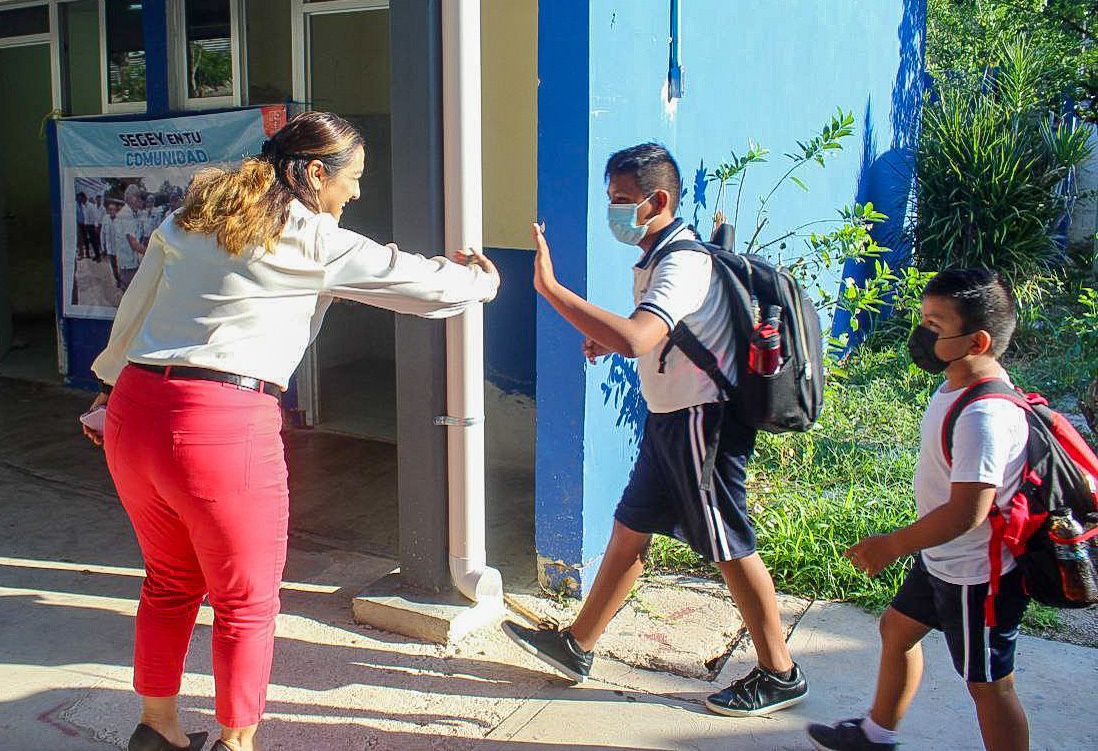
x,y
901,667
621,565
1003,722
752,588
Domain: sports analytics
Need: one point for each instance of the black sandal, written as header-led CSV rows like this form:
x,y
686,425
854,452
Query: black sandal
x,y
144,738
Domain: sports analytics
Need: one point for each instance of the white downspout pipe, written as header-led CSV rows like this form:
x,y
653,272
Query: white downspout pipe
x,y
465,333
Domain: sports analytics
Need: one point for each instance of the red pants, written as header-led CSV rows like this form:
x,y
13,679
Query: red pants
x,y
200,469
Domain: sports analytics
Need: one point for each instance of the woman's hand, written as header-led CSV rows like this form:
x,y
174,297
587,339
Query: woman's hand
x,y
544,277
472,258
592,350
93,436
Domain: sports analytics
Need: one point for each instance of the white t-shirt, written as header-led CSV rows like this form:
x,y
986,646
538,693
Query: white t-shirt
x,y
191,303
682,287
989,446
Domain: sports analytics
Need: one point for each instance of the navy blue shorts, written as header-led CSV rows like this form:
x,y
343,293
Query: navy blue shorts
x,y
664,494
980,654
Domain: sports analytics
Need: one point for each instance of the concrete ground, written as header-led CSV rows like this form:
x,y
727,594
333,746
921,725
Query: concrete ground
x,y
70,576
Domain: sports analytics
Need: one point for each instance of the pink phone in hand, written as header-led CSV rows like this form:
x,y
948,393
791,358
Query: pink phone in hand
x,y
95,419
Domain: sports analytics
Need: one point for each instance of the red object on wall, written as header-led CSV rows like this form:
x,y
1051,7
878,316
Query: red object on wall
x,y
274,117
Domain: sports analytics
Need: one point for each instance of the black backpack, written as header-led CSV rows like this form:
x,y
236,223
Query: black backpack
x,y
789,400
1060,472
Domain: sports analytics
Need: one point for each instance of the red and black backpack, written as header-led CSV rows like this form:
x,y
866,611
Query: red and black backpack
x,y
1060,471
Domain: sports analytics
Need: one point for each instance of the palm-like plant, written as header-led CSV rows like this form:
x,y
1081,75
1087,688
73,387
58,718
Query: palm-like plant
x,y
992,165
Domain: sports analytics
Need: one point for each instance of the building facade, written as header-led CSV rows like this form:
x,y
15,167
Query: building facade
x,y
564,85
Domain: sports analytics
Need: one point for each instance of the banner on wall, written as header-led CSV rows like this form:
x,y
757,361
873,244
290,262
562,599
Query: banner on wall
x,y
120,180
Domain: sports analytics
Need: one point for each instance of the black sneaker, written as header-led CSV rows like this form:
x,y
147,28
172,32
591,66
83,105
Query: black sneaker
x,y
553,647
759,692
845,736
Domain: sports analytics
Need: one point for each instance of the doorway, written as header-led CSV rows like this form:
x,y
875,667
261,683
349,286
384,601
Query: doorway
x,y
28,330
351,386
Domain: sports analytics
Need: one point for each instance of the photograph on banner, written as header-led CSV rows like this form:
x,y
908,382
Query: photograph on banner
x,y
115,216
121,179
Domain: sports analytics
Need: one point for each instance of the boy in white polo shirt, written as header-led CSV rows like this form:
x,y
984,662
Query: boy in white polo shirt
x,y
968,317
665,493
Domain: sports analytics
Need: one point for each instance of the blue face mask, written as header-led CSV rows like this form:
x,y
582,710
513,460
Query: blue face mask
x,y
622,218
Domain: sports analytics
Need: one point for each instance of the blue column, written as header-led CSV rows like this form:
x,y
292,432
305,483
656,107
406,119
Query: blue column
x,y
154,22
563,112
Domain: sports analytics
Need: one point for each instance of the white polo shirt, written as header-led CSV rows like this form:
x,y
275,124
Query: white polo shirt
x,y
682,287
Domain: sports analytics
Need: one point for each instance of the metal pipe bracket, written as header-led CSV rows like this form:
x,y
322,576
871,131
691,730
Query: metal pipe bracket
x,y
457,422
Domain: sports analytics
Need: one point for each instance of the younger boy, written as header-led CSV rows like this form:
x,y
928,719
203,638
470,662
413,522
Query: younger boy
x,y
968,317
664,493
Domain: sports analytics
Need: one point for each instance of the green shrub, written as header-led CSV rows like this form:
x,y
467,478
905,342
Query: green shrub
x,y
964,37
989,171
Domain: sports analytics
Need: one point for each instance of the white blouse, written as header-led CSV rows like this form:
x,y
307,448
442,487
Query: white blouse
x,y
191,303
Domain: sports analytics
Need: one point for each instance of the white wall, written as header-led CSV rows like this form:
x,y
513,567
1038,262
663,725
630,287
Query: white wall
x,y
1084,219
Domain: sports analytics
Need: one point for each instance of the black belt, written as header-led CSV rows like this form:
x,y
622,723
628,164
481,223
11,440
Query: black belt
x,y
188,373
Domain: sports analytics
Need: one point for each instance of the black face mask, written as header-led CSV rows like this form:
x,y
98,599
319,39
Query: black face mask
x,y
921,347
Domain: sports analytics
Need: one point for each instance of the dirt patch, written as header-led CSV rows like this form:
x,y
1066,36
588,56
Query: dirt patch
x,y
675,624
1075,627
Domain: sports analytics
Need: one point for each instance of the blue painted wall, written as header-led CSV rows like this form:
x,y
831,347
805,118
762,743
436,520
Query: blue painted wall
x,y
763,70
564,121
509,335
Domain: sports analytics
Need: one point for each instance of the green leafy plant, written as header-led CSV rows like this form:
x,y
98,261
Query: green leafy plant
x,y
823,247
991,166
818,251
734,172
731,173
965,38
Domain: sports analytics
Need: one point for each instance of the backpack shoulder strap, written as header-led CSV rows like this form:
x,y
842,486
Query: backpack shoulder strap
x,y
681,336
987,388
693,245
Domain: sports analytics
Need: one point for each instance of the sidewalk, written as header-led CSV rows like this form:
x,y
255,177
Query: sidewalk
x,y
70,576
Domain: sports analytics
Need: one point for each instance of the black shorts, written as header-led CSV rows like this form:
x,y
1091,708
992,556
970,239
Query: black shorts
x,y
980,654
664,494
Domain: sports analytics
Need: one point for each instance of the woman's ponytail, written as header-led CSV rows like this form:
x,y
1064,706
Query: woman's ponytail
x,y
249,206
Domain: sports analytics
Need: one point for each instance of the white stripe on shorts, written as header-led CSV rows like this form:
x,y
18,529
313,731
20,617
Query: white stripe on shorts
x,y
964,630
713,520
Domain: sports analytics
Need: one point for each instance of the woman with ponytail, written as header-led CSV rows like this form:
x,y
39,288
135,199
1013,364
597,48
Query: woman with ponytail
x,y
233,287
